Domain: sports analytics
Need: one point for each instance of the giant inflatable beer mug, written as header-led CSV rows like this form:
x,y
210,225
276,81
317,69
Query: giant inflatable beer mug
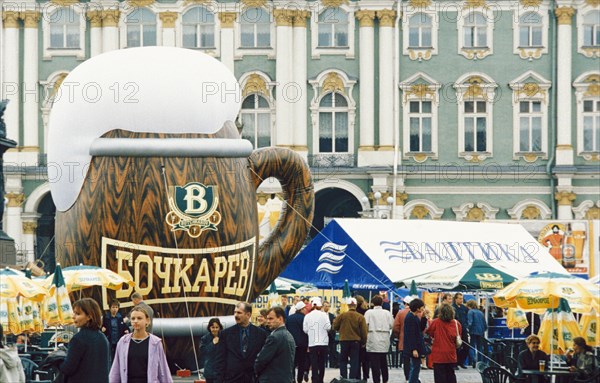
x,y
152,180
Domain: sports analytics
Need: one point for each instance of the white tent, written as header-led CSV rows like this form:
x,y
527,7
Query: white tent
x,y
404,249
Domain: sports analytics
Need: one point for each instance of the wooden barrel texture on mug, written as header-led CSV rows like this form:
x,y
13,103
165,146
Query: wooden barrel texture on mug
x,y
124,198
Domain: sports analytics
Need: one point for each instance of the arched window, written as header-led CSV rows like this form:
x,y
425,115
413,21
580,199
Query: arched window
x,y
333,28
419,31
591,29
333,124
530,30
255,25
256,120
198,28
64,29
141,28
475,31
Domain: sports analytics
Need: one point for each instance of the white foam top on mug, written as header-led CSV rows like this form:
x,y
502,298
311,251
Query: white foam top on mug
x,y
150,89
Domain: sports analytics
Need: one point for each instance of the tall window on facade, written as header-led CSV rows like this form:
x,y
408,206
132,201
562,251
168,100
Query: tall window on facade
x,y
333,124
530,30
419,31
141,28
475,31
64,29
256,120
420,117
591,29
591,125
475,119
530,126
198,28
255,25
333,28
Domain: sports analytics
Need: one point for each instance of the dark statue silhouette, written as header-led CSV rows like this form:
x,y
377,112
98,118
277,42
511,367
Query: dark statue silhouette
x,y
7,245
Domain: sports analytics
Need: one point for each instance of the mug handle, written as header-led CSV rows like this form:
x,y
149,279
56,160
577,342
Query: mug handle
x,y
295,220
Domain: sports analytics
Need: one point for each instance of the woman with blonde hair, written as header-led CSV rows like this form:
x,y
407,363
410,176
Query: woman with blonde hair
x,y
140,357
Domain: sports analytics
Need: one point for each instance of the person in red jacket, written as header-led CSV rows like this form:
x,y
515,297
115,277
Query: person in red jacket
x,y
444,330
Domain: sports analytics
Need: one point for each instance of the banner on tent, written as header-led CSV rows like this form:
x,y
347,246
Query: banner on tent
x,y
570,242
262,301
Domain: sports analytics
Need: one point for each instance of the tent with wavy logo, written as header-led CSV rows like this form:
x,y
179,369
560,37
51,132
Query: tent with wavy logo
x,y
334,257
378,253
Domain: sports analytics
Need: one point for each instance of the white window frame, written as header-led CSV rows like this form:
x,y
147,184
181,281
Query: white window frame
x,y
524,91
488,92
419,53
582,85
214,52
215,18
47,18
270,85
318,94
587,51
476,53
269,51
123,27
431,95
317,51
533,52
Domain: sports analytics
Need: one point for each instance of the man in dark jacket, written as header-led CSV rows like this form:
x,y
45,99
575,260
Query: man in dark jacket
x,y
294,324
460,312
239,346
275,362
414,345
113,326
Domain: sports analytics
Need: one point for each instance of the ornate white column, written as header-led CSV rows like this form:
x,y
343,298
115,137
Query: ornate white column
x,y
386,79
13,217
564,148
168,28
10,66
110,29
29,229
227,39
299,110
565,203
95,32
30,86
284,77
366,87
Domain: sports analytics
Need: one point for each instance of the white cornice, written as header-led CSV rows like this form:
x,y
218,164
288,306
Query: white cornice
x,y
508,190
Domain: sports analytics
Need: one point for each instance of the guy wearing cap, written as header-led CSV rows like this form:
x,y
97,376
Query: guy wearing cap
x,y
316,324
398,331
294,325
353,335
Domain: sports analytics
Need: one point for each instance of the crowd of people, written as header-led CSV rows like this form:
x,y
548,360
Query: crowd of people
x,y
290,342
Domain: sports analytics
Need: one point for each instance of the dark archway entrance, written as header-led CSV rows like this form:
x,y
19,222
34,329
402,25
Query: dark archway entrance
x,y
336,203
45,233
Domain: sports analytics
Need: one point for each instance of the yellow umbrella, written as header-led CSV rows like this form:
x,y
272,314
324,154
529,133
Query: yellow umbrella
x,y
57,307
81,277
516,318
14,283
588,324
544,290
10,316
557,330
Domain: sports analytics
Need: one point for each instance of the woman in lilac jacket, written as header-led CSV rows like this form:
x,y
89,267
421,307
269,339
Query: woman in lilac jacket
x,y
140,357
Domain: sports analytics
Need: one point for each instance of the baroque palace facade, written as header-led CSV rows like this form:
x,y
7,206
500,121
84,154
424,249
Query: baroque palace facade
x,y
494,106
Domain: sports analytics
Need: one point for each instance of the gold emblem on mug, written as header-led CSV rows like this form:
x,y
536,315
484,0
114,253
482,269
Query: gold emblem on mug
x,y
193,208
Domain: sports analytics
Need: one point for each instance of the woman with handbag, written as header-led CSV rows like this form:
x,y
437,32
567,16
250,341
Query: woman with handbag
x,y
445,331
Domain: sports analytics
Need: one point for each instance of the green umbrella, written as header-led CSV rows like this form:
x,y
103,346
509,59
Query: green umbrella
x,y
345,296
58,309
413,289
478,275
